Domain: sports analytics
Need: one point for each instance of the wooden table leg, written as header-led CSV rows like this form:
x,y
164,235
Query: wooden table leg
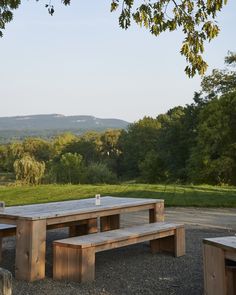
x,y
30,249
110,222
157,213
83,227
214,270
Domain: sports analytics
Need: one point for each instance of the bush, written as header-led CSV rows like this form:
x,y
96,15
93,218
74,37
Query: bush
x,y
98,173
152,169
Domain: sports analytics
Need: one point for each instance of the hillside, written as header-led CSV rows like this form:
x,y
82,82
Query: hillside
x,y
48,125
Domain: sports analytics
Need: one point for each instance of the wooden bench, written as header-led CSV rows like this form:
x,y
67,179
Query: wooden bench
x,y
219,259
74,258
6,230
75,228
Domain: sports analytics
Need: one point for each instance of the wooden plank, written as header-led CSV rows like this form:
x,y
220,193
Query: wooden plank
x,y
231,280
214,270
30,250
73,264
87,264
110,222
101,213
121,234
5,282
57,209
179,241
157,213
59,257
132,240
226,243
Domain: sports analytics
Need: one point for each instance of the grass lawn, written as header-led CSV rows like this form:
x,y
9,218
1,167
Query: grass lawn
x,y
174,195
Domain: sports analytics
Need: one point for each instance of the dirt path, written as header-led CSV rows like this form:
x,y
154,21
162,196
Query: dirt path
x,y
211,218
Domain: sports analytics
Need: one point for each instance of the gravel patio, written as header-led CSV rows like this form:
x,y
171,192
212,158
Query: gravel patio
x,y
129,270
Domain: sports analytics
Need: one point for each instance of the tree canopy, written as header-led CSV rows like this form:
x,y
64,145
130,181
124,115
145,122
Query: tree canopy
x,y
196,18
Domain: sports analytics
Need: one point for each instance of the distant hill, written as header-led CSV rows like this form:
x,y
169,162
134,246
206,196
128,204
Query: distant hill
x,y
49,125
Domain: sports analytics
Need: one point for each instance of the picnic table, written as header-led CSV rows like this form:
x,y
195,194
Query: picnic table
x,y
32,222
219,260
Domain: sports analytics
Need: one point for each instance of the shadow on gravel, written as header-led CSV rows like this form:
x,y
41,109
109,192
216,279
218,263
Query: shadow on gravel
x,y
131,270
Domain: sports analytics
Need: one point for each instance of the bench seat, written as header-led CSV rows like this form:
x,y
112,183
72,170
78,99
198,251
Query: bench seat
x,y
74,258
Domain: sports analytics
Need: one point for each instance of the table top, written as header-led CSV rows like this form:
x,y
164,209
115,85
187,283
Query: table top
x,y
226,243
65,208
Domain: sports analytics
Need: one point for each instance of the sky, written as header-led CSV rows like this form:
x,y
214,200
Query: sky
x,y
79,62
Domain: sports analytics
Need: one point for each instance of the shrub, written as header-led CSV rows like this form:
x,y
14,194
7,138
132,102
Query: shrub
x,y
98,173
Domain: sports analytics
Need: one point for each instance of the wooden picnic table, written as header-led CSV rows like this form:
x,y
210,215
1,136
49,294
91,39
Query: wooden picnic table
x,y
32,222
219,260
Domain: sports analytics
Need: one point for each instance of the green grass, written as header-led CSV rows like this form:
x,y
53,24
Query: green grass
x,y
174,195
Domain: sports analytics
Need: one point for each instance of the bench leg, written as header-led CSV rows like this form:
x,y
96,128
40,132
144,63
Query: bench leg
x,y
73,264
179,241
174,244
110,222
85,227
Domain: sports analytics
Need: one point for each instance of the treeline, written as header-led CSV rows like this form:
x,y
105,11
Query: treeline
x,y
195,143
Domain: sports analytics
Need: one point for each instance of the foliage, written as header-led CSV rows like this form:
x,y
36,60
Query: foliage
x,y
86,148
99,173
197,20
28,170
60,142
135,143
152,169
213,159
69,168
221,81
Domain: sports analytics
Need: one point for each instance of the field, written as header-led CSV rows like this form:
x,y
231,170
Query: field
x,y
174,195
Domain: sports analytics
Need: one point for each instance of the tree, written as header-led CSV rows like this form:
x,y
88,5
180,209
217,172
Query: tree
x,y
69,168
197,19
140,138
213,159
98,173
38,148
28,170
109,149
86,148
152,168
221,81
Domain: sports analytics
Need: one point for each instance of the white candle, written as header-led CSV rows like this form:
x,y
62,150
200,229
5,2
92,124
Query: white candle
x,y
97,199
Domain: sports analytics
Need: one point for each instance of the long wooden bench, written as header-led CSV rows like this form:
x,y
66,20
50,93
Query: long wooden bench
x,y
74,258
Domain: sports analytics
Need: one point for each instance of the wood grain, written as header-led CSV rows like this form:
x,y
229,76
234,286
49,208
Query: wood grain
x,y
30,250
57,209
85,248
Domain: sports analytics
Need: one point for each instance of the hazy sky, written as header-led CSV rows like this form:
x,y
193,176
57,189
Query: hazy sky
x,y
79,62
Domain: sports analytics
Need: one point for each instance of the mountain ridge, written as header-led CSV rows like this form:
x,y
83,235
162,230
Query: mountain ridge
x,y
59,121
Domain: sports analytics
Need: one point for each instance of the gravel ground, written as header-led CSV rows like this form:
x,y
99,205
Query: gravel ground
x,y
131,270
